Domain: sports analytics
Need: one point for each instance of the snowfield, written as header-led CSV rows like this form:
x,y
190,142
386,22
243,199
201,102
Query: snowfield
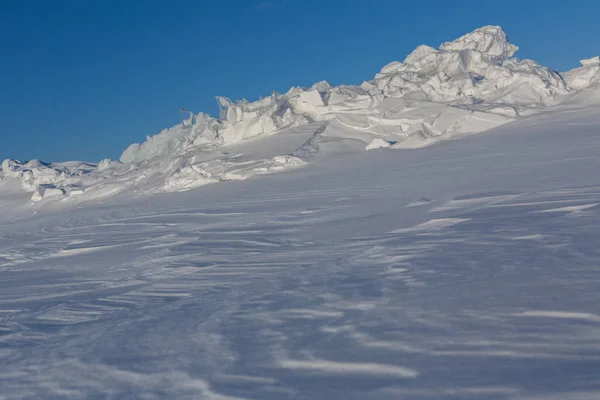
x,y
424,268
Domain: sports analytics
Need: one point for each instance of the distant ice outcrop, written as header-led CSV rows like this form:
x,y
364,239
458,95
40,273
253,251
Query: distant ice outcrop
x,y
32,174
475,71
584,76
465,86
56,180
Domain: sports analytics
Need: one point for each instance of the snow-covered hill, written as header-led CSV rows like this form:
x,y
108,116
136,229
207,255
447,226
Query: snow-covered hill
x,y
467,270
466,86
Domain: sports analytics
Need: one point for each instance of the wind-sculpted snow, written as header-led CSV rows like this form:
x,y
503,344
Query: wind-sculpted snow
x,y
463,271
584,76
466,86
490,41
473,72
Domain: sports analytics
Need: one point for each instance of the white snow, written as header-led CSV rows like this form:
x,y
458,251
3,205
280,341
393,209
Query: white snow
x,y
464,270
587,74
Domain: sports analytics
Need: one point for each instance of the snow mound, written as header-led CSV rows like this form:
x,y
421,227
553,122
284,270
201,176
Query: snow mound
x,y
56,180
465,86
31,174
584,76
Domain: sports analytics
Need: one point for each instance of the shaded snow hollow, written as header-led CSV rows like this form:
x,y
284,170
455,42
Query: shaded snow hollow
x,y
465,86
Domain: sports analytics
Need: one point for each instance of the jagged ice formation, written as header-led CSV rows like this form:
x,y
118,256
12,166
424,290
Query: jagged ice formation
x,y
465,86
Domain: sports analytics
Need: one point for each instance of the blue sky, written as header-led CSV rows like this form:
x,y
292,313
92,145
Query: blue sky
x,y
83,79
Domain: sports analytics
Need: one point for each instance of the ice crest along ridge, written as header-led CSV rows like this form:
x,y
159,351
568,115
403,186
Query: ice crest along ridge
x,y
594,61
490,41
31,174
465,86
243,120
473,72
476,71
55,180
173,141
584,76
417,54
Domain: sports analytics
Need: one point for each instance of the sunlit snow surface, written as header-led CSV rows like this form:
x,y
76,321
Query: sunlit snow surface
x,y
465,270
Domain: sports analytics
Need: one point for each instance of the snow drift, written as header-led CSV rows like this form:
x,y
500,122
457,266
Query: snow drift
x,y
465,86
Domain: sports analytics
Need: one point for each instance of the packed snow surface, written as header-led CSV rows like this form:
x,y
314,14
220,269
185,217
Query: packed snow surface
x,y
463,270
466,86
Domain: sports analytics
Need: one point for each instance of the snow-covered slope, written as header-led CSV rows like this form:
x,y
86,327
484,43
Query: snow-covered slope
x,y
466,86
465,270
468,270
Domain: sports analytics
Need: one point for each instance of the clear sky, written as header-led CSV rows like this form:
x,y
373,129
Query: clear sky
x,y
83,79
